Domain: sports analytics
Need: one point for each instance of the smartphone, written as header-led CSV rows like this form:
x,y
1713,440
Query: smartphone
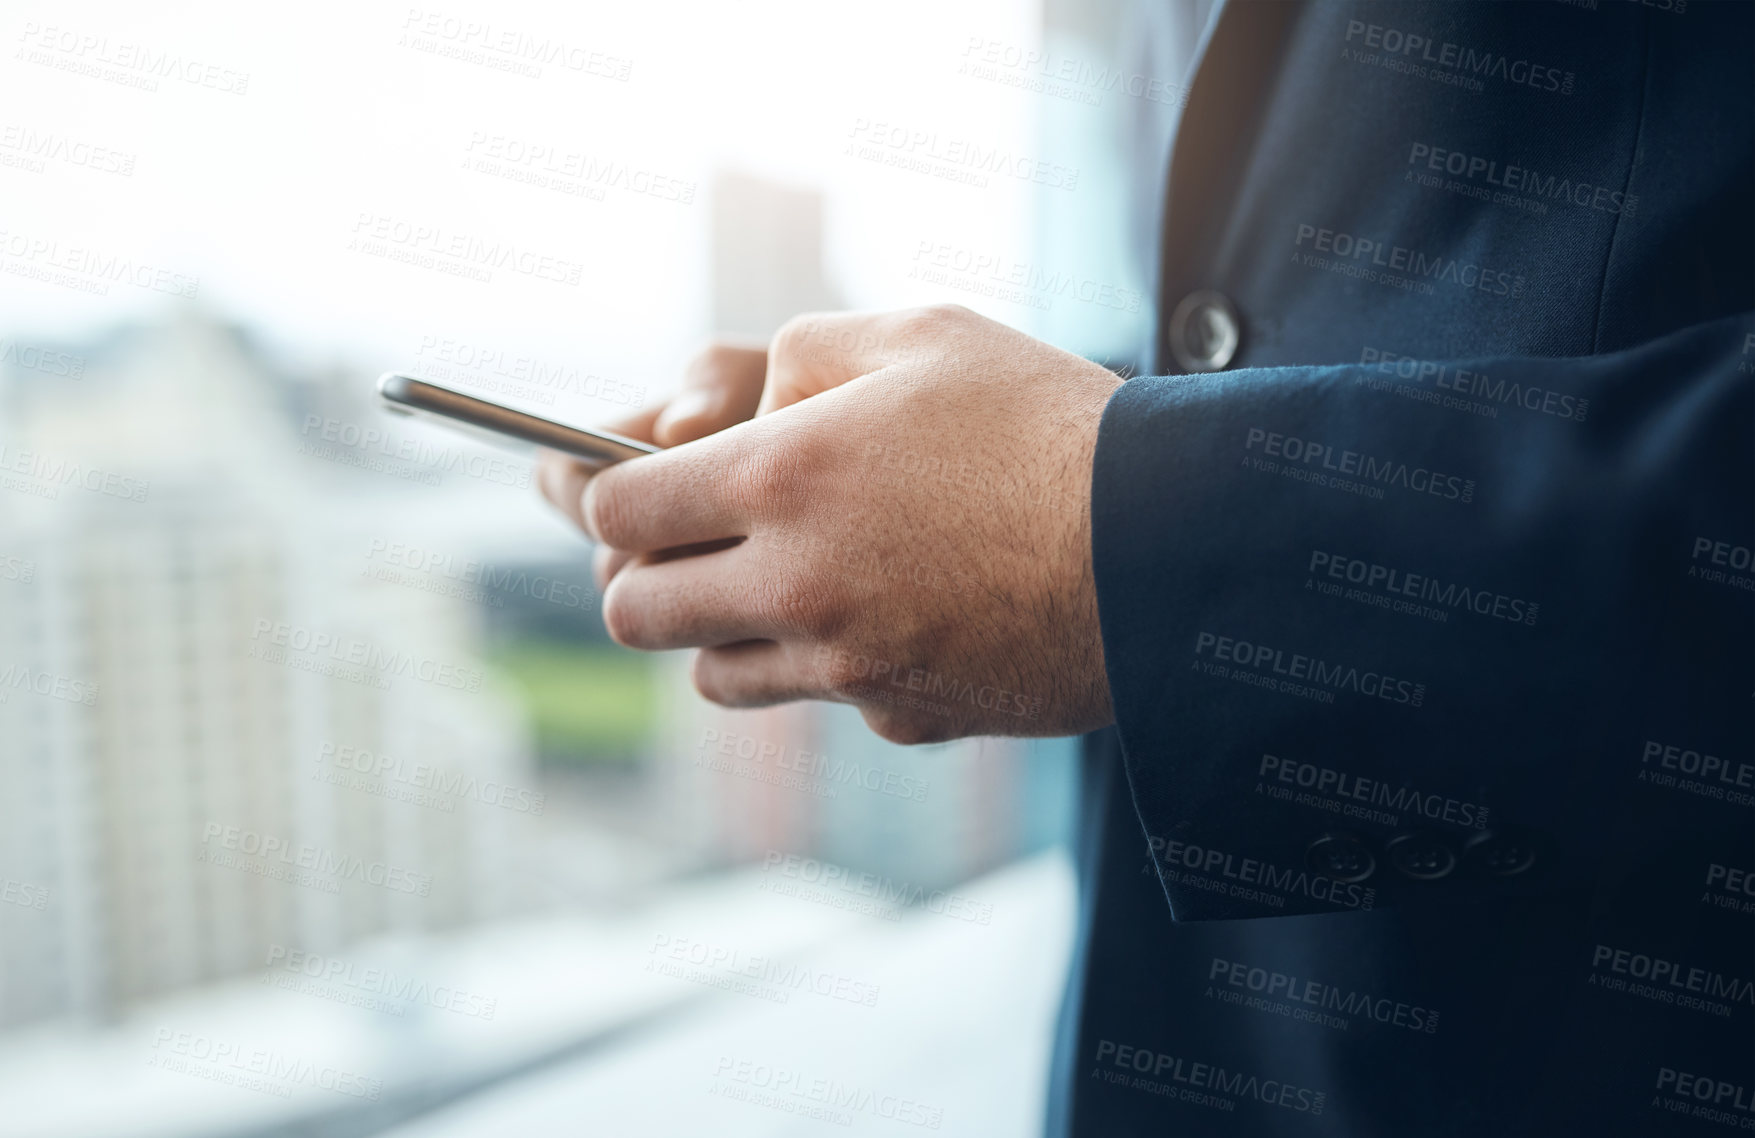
x,y
410,396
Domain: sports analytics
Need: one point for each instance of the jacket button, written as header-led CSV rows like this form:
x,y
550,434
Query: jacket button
x,y
1340,856
1500,853
1204,332
1420,855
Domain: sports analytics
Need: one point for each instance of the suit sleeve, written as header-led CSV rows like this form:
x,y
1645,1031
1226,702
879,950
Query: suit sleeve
x,y
1408,633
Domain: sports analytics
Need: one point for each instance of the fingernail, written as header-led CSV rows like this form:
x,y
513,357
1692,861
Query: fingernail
x,y
585,514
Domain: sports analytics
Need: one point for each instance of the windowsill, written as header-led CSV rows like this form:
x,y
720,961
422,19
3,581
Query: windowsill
x,y
932,1009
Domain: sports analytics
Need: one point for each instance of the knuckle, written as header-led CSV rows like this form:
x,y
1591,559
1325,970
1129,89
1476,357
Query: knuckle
x,y
792,336
934,319
767,478
804,604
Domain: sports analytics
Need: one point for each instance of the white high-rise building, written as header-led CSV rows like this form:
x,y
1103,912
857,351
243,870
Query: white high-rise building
x,y
155,741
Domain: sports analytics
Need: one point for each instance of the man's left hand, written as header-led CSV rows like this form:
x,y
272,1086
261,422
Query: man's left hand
x,y
909,528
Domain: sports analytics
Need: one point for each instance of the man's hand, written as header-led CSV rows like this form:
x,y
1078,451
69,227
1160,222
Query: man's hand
x,y
721,386
913,509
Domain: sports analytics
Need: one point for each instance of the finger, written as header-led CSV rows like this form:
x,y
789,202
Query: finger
x,y
704,600
755,673
819,350
640,425
682,496
562,479
721,387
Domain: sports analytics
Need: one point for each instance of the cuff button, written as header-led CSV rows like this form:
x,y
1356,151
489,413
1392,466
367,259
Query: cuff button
x,y
1341,856
1421,856
1500,853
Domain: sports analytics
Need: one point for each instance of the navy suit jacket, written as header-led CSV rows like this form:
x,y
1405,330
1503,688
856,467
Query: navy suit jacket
x,y
1428,621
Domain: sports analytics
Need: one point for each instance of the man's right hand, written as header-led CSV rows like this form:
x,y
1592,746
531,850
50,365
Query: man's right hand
x,y
722,386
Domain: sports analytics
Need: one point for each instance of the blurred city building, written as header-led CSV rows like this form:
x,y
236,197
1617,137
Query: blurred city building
x,y
274,680
812,779
183,792
165,559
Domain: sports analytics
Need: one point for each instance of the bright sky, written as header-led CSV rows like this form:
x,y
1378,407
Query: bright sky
x,y
307,128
